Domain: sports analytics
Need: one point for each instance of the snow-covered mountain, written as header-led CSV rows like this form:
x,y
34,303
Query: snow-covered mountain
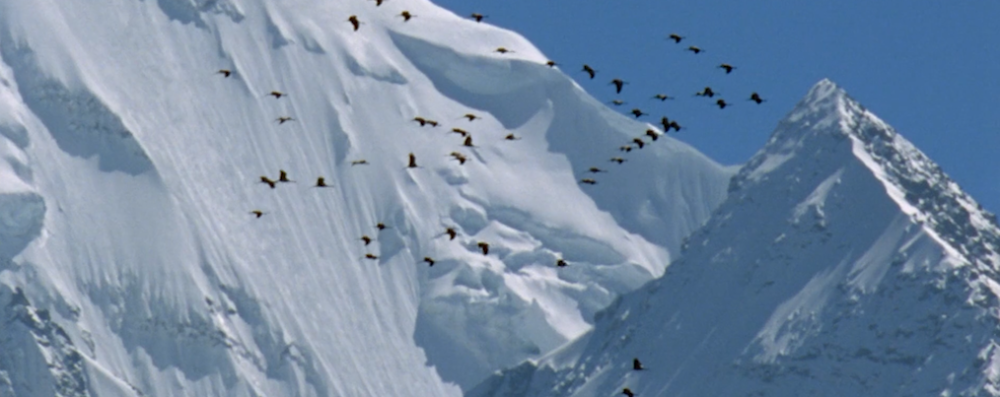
x,y
843,263
130,264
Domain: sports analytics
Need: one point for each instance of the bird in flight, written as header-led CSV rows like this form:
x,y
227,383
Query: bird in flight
x,y
695,49
224,72
636,112
451,233
258,213
706,92
429,260
277,94
283,119
662,97
511,137
359,162
729,68
471,116
588,181
676,37
478,17
283,177
618,160
756,98
321,182
618,85
589,70
269,182
484,247
722,103
413,161
406,16
502,50
354,18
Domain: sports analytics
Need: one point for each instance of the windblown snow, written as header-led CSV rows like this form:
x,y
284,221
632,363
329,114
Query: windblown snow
x,y
130,264
844,262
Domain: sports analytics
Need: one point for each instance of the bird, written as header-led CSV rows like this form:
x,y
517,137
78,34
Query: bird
x,y
589,70
413,161
511,137
460,131
283,177
354,19
277,94
665,123
281,120
595,170
729,68
625,148
652,134
359,162
551,64
379,2
264,179
676,37
478,17
381,226
484,246
366,239
560,263
451,233
588,181
639,141
468,142
618,85
320,182
458,156
636,112
662,97
706,92
695,49
618,102
420,120
675,126
429,260
471,116
406,15
628,392
502,50
722,103
371,256
756,98
432,123
636,365
224,72
618,160
258,213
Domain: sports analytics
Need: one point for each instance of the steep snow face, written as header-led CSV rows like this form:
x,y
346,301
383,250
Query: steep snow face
x,y
129,261
843,263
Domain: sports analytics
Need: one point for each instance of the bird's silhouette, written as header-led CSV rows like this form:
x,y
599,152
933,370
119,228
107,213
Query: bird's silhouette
x,y
722,103
413,161
756,98
706,92
432,123
618,160
628,392
729,68
429,260
625,148
503,50
468,142
619,83
381,226
478,17
551,64
484,247
511,137
366,239
224,72
662,97
665,123
371,256
379,2
471,116
639,142
460,131
636,112
695,49
283,119
636,364
675,126
269,182
420,120
353,19
451,233
359,162
589,70
652,134
406,16
588,181
283,177
277,94
618,102
595,170
321,182
258,213
676,37
561,263
458,156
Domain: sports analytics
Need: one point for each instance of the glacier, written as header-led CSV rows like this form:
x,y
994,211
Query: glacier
x,y
843,262
129,262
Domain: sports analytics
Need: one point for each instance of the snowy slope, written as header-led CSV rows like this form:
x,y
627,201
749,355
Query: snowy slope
x,y
843,263
129,262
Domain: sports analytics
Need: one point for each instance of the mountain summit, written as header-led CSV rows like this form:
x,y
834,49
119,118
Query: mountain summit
x,y
843,263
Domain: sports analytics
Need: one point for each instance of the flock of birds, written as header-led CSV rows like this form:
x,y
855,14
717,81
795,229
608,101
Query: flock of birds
x,y
451,232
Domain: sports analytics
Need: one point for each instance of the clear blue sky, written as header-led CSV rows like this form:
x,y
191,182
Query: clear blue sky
x,y
929,67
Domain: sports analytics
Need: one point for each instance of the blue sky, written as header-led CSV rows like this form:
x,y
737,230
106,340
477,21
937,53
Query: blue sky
x,y
929,68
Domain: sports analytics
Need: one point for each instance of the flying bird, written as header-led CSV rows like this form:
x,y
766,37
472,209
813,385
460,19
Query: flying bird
x,y
588,181
551,64
706,92
371,256
618,160
432,123
379,2
366,239
662,97
320,182
258,213
478,17
283,177
675,126
595,170
502,50
756,98
406,16
277,94
413,161
695,49
264,179
354,19
722,103
224,72
618,85
639,141
652,134
468,142
665,123
589,70
460,131
458,156
381,226
283,119
636,112
451,233
625,148
420,120
636,365
618,102
729,68
471,116
628,392
484,246
359,162
676,37
511,137
561,263
429,260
